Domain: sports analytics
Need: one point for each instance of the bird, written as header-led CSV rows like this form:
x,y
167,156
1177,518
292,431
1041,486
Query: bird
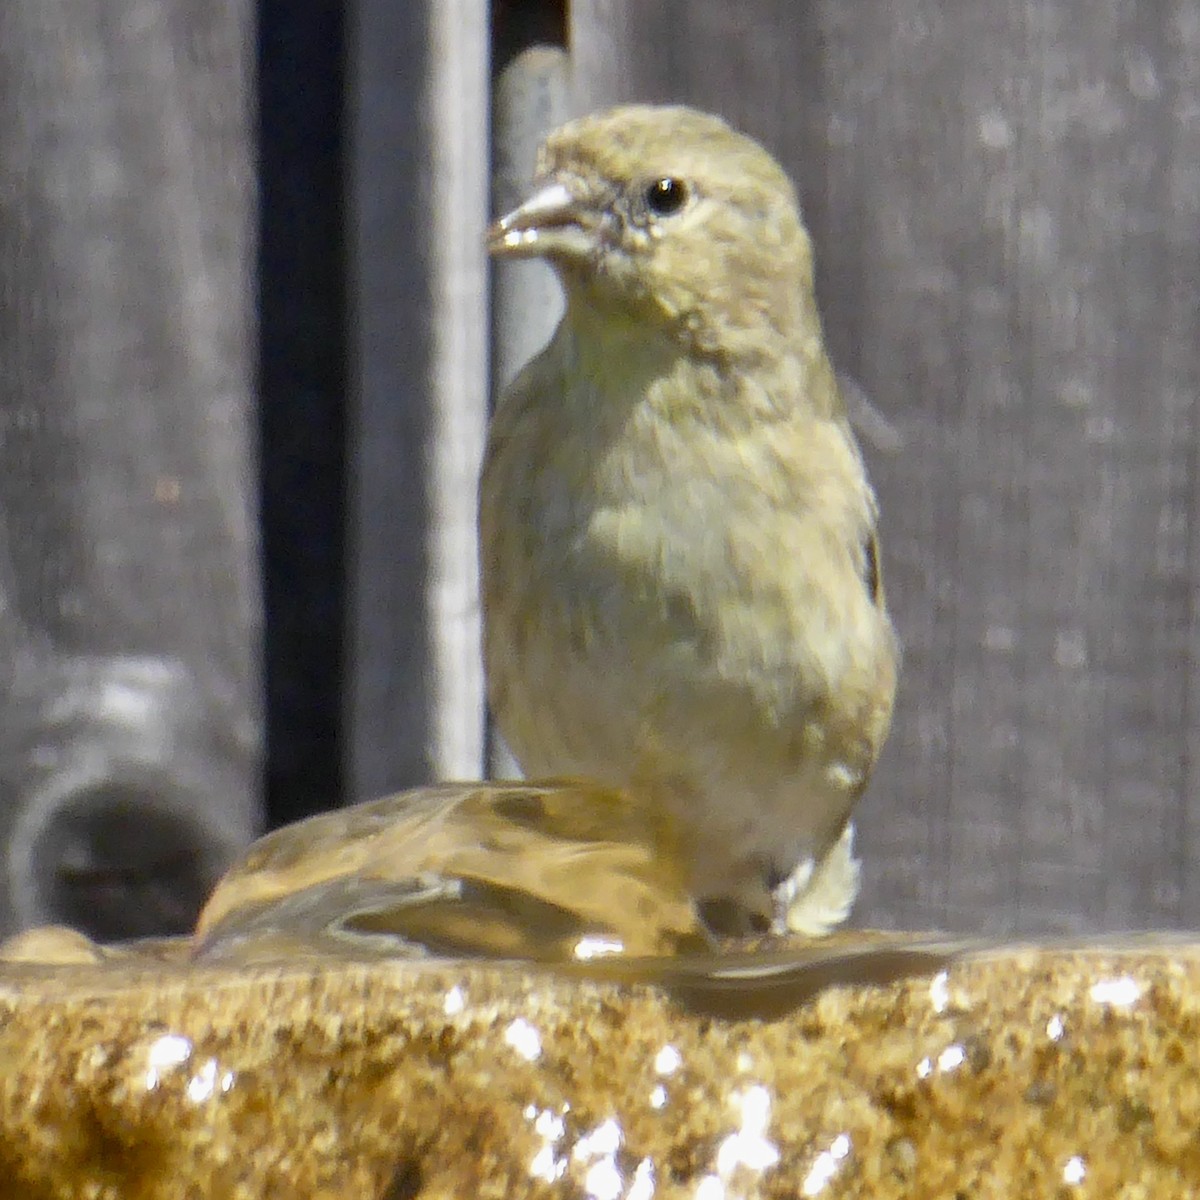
x,y
679,563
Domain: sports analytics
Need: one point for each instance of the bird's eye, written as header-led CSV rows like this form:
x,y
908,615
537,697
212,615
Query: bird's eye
x,y
666,196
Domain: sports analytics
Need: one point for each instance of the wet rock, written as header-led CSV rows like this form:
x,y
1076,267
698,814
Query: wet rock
x,y
316,1039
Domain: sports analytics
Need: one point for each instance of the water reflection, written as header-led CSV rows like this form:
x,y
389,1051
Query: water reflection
x,y
553,874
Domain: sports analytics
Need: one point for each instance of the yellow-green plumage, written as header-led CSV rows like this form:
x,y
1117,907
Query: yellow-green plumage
x,y
679,581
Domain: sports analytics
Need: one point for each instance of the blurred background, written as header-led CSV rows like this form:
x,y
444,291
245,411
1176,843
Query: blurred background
x,y
248,336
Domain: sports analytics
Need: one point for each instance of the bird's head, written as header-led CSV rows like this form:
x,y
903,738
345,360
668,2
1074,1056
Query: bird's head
x,y
665,215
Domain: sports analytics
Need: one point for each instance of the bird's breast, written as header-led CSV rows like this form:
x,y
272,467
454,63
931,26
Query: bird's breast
x,y
664,560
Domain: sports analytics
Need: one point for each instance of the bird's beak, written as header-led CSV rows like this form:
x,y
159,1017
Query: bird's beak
x,y
552,222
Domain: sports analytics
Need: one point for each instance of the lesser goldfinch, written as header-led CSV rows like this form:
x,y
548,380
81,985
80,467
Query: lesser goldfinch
x,y
681,583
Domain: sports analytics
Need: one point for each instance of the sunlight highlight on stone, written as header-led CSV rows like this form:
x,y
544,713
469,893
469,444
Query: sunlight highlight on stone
x,y
826,1166
598,1149
208,1081
667,1061
749,1146
524,1039
168,1051
939,992
951,1058
642,1187
547,1164
1120,992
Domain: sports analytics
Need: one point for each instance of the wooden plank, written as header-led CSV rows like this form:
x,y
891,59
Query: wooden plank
x,y
130,605
1003,200
531,95
418,204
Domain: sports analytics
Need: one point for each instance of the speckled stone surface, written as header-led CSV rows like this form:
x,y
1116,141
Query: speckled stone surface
x,y
504,990
1029,1073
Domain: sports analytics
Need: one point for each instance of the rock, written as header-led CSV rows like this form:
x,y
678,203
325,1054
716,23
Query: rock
x,y
1015,1072
270,1057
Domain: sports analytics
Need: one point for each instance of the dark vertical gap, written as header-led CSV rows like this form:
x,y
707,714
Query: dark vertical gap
x,y
301,388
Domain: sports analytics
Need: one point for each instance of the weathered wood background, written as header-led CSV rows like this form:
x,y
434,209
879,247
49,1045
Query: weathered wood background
x,y
1005,201
130,726
1006,205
